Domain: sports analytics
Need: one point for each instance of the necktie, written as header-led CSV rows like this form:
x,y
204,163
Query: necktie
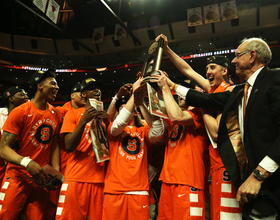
x,y
247,85
236,141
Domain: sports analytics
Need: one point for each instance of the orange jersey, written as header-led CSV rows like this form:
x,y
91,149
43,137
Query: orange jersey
x,y
128,167
183,160
65,108
221,88
215,159
64,154
35,130
81,164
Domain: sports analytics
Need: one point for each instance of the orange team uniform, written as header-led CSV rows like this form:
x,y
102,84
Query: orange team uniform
x,y
62,149
81,194
3,118
35,130
223,192
126,182
183,172
63,156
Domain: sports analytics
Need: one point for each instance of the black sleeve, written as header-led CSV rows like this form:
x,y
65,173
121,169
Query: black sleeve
x,y
214,100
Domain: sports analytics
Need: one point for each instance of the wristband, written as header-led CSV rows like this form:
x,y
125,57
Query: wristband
x,y
114,100
25,161
172,88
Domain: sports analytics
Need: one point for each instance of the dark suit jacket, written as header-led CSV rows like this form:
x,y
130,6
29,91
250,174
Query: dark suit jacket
x,y
261,125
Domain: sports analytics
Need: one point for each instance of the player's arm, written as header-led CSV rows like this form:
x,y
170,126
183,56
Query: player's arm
x,y
175,113
139,95
155,123
124,115
156,131
183,66
7,142
55,158
72,140
34,169
122,119
211,123
124,90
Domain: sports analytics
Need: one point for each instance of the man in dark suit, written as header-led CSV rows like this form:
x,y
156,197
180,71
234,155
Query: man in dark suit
x,y
259,186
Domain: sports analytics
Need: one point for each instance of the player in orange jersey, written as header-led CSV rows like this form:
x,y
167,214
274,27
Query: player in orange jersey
x,y
35,126
218,72
126,183
183,172
76,102
12,97
81,195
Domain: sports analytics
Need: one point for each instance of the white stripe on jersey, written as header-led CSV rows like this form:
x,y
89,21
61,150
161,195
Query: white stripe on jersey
x,y
227,202
64,187
226,188
193,197
61,199
230,216
2,196
59,210
195,211
5,185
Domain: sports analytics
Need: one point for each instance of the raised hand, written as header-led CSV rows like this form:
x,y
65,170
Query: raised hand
x,y
140,94
160,79
137,84
165,45
124,90
139,75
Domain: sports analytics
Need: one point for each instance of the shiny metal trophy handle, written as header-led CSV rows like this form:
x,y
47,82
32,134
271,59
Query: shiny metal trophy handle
x,y
152,62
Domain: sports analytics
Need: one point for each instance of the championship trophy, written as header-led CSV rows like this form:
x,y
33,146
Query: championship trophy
x,y
150,89
152,62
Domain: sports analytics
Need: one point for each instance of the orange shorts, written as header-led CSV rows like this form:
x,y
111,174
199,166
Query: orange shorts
x,y
22,195
180,202
124,206
223,197
80,201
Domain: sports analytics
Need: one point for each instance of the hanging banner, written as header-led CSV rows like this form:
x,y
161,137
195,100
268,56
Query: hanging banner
x,y
53,10
98,35
41,4
211,13
194,16
229,10
120,33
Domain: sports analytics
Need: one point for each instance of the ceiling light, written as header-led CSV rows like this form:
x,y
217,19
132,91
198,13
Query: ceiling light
x,y
101,69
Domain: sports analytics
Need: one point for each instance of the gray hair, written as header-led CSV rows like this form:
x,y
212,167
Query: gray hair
x,y
264,54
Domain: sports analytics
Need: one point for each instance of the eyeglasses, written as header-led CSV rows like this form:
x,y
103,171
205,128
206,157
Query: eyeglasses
x,y
237,55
